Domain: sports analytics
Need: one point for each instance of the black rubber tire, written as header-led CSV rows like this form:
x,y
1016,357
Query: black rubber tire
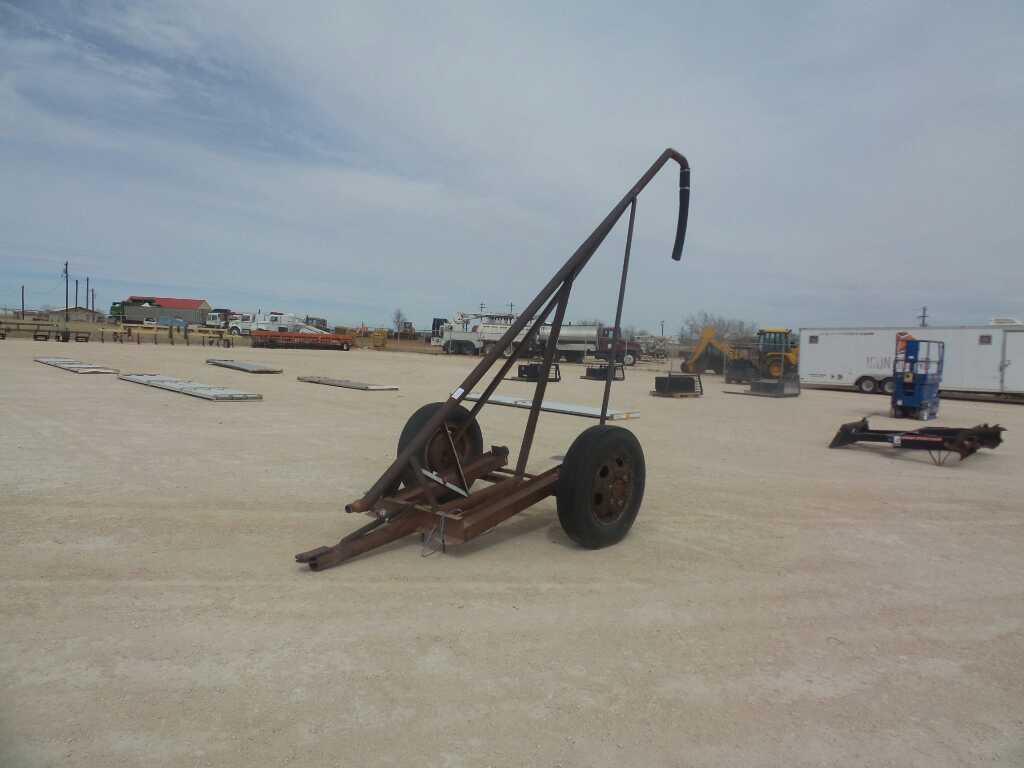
x,y
886,386
344,346
592,455
867,385
629,359
471,447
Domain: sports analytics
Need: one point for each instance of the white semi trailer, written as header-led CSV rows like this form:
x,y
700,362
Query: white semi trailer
x,y
979,359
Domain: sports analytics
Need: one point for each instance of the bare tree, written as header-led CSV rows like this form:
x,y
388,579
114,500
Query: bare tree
x,y
398,320
726,327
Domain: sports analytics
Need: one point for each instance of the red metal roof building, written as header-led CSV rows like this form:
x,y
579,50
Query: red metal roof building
x,y
169,303
162,308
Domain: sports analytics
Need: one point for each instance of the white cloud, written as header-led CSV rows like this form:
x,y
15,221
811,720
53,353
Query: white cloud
x,y
365,157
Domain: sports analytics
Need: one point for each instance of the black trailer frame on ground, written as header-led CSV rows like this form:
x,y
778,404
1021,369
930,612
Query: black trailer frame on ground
x,y
600,483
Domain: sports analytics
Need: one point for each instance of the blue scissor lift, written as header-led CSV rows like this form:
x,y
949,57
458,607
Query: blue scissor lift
x,y
917,374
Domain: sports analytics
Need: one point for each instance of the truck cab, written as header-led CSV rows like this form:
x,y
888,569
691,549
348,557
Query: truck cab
x,y
627,352
217,318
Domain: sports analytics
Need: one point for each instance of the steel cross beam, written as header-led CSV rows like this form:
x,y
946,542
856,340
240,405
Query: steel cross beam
x,y
570,268
542,380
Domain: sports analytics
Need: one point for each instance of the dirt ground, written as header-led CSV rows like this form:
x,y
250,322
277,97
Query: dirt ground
x,y
776,604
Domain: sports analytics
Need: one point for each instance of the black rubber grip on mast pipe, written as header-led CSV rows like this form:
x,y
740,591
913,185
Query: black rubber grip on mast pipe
x,y
684,211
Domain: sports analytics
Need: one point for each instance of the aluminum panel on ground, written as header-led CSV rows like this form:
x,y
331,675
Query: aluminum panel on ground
x,y
241,365
68,364
186,387
348,384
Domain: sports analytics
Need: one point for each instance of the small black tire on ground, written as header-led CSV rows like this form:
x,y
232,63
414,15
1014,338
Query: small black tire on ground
x,y
866,385
628,359
436,453
344,346
601,486
886,386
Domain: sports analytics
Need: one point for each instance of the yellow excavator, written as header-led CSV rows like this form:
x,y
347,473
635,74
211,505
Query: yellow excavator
x,y
702,357
778,352
775,352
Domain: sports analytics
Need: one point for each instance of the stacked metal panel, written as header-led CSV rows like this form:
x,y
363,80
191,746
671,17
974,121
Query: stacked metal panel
x,y
187,387
68,364
347,384
240,365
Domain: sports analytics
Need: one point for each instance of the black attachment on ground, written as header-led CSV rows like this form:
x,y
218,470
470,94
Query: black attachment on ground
x,y
938,441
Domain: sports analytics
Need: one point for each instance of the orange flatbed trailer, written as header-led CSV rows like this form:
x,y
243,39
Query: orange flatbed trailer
x,y
281,340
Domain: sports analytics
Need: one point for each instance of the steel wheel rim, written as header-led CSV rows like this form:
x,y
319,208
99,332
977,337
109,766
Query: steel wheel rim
x,y
438,454
613,489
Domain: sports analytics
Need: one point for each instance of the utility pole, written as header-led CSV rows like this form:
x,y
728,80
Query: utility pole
x,y
67,313
482,305
923,317
510,306
94,302
23,302
663,329
87,293
76,293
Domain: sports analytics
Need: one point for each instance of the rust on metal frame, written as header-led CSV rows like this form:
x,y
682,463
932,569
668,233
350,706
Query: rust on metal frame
x,y
418,508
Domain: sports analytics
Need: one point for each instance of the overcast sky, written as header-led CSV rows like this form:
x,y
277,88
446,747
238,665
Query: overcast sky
x,y
851,161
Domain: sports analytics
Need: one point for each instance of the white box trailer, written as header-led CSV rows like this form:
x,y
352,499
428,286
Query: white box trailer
x,y
979,359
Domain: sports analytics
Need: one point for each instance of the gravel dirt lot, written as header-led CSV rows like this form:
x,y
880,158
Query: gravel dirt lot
x,y
776,604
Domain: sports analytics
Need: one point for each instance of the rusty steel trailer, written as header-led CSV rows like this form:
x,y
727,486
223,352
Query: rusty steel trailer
x,y
598,486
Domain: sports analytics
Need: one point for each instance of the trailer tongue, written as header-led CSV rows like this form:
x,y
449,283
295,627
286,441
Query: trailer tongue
x,y
599,485
940,442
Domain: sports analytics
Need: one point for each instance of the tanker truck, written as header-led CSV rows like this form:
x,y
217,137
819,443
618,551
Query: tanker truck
x,y
575,342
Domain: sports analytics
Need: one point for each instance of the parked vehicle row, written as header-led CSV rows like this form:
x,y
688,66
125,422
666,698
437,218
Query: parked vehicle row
x,y
476,334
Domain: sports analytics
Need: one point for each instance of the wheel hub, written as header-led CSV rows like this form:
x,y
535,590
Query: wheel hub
x,y
438,454
613,488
